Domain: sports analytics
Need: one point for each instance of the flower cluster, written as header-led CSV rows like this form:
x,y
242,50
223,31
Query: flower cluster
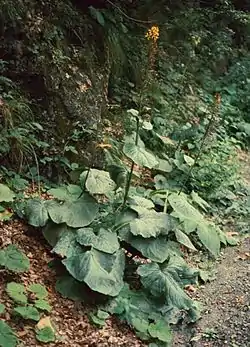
x,y
153,33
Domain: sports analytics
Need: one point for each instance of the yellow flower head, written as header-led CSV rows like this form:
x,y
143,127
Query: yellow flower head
x,y
153,33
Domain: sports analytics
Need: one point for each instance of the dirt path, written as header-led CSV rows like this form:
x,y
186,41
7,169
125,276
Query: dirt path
x,y
226,301
226,320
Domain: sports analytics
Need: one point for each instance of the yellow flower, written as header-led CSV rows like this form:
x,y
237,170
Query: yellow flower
x,y
153,33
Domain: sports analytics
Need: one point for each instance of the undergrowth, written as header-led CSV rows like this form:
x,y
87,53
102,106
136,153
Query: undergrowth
x,y
124,232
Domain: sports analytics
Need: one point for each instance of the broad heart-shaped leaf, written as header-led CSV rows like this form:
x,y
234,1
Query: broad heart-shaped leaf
x,y
17,292
36,212
139,155
193,220
75,214
209,237
13,259
102,272
70,192
6,194
161,331
98,181
27,312
67,245
140,201
151,224
105,240
183,210
165,281
157,249
7,336
182,238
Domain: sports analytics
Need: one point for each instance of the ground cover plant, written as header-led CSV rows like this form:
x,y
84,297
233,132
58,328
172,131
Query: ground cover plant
x,y
123,155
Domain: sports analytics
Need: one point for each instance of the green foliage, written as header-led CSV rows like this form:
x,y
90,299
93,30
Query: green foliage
x,y
99,318
102,272
106,230
43,305
17,292
13,259
70,288
7,335
6,194
164,281
45,335
27,312
98,181
36,212
39,290
2,308
193,220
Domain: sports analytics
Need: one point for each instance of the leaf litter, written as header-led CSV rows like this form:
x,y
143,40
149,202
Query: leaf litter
x,y
68,318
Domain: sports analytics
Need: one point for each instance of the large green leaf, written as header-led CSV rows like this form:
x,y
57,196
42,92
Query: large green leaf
x,y
67,245
151,223
6,194
98,181
182,238
165,281
13,259
36,212
157,249
193,220
140,201
102,272
140,155
209,237
69,192
75,214
105,240
7,335
184,211
163,165
199,201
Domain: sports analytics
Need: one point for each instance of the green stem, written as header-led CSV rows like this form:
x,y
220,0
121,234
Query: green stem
x,y
199,152
132,166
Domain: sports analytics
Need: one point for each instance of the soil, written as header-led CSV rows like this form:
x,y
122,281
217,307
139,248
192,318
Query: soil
x,y
226,301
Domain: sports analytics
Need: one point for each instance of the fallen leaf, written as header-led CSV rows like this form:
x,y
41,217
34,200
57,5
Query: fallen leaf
x,y
44,322
104,145
190,288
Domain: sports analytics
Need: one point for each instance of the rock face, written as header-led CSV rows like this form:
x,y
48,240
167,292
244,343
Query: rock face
x,y
52,56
